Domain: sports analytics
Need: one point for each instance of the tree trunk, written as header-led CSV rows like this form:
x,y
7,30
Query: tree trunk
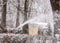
x,y
17,20
25,28
4,14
